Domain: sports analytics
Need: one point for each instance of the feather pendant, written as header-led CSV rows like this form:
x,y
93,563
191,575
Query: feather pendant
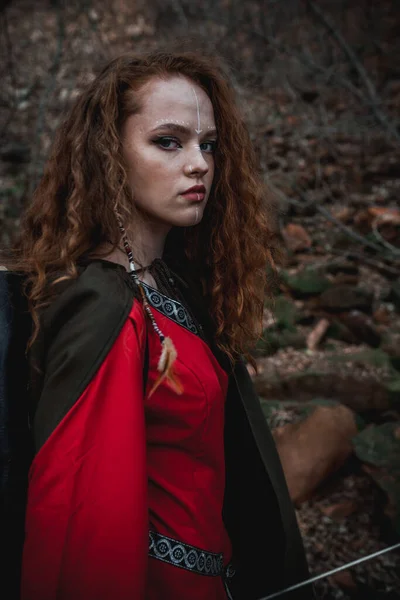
x,y
166,368
169,353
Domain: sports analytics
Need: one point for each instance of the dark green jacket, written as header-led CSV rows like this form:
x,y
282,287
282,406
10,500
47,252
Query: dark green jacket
x,y
258,512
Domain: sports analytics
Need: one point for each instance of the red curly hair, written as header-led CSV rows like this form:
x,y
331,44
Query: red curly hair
x,y
72,209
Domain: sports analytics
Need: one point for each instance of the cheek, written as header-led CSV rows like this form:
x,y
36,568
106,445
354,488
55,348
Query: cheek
x,y
211,170
158,161
149,168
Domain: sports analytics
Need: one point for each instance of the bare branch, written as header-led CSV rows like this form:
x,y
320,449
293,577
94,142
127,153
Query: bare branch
x,y
382,268
375,102
382,240
349,232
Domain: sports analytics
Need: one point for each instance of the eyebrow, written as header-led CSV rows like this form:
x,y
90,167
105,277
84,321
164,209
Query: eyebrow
x,y
181,128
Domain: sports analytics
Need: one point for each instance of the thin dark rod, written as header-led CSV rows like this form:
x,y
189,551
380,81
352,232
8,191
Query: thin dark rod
x,y
346,566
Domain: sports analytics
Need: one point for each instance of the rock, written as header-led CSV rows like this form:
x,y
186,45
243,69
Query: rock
x,y
347,267
281,412
364,358
393,391
273,340
285,312
343,272
16,153
338,331
340,298
314,448
361,395
342,278
307,282
378,446
306,317
362,328
391,346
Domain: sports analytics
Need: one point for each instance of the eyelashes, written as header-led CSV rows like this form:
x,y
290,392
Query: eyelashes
x,y
165,142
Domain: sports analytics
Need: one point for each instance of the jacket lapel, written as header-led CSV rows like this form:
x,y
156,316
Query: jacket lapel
x,y
270,483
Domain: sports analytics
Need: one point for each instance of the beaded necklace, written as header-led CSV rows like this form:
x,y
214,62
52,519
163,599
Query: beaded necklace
x,y
166,282
168,355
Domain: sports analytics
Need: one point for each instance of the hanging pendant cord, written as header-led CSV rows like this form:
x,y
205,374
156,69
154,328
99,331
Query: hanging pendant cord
x,y
317,577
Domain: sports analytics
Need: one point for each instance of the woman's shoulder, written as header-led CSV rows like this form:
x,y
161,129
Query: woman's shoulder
x,y
99,293
83,320
80,329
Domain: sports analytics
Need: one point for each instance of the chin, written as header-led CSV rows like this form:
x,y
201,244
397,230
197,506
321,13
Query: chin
x,y
191,221
187,218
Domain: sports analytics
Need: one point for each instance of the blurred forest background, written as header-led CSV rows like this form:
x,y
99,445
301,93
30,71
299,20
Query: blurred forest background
x,y
319,86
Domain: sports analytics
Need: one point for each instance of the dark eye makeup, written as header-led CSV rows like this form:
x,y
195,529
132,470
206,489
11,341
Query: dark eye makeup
x,y
165,141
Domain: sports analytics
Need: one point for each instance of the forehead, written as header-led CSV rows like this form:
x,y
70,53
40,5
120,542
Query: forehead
x,y
176,98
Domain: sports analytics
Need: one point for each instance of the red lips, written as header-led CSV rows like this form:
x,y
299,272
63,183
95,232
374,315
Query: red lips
x,y
199,189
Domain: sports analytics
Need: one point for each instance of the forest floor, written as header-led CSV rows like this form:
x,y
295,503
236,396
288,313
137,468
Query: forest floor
x,y
332,332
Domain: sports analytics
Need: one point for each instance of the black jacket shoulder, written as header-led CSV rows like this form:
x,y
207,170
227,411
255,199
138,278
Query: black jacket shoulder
x,y
76,332
98,281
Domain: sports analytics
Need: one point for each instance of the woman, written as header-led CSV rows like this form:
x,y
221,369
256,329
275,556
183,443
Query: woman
x,y
145,250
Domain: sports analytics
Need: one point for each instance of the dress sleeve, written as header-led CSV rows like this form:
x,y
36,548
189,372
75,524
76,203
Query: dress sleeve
x,y
86,527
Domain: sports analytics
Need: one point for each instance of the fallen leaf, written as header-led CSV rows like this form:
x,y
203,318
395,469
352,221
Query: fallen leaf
x,y
339,510
292,120
382,315
344,579
330,170
296,237
385,215
343,214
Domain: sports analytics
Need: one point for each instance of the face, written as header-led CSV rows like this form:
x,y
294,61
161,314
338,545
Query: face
x,y
169,148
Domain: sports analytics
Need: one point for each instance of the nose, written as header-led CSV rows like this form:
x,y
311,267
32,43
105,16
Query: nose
x,y
196,163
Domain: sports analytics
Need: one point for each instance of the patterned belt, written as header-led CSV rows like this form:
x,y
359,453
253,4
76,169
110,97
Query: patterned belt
x,y
188,557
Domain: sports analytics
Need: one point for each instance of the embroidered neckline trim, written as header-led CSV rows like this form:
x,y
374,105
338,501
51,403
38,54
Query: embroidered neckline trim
x,y
169,307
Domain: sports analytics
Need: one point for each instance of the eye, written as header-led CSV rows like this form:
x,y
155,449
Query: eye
x,y
211,146
165,143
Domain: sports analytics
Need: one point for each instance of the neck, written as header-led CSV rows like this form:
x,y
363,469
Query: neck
x,y
147,241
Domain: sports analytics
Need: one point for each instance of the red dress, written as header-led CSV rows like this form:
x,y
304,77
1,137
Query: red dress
x,y
185,463
125,495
